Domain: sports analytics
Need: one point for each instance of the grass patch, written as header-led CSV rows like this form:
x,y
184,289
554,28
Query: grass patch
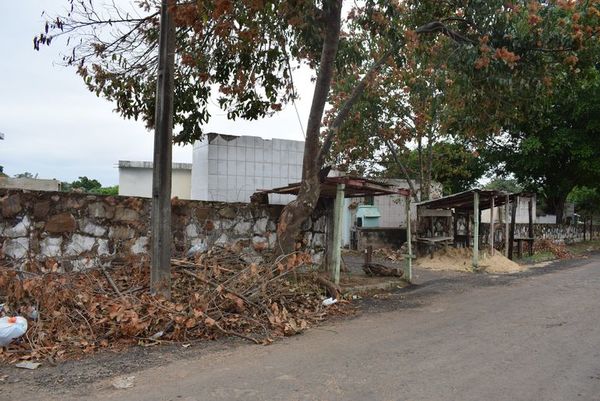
x,y
538,257
581,248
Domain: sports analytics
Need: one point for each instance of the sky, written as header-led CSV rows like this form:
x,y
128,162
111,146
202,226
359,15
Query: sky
x,y
55,128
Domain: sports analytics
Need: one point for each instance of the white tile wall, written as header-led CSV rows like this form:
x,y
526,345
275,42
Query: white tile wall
x,y
232,170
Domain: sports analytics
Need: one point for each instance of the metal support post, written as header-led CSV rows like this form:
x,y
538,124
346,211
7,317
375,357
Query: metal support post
x,y
336,253
408,272
475,230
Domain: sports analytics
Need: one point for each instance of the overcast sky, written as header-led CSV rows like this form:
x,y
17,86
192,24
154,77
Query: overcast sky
x,y
56,128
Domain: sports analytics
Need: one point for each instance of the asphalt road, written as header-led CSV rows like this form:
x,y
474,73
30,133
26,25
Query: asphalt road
x,y
530,337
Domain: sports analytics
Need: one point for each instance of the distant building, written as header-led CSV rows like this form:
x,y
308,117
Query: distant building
x,y
135,179
231,168
30,184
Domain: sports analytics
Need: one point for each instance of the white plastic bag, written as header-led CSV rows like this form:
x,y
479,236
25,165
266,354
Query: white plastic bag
x,y
11,328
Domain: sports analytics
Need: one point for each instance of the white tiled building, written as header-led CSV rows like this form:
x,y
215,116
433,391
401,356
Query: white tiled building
x,y
231,168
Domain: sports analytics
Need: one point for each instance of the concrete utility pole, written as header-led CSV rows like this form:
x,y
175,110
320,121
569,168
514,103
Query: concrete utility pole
x,y
160,273
338,216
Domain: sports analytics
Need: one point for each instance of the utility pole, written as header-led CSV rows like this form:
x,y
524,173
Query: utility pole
x,y
160,273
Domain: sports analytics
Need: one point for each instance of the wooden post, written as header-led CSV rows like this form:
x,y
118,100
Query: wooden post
x,y
408,272
492,227
369,255
160,273
513,220
506,233
475,230
338,212
530,228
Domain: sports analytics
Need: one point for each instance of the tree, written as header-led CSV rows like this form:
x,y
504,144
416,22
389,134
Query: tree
x,y
586,200
558,148
26,174
509,185
246,48
86,184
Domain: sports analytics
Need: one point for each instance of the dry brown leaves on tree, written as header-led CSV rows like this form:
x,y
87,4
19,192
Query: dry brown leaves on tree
x,y
216,295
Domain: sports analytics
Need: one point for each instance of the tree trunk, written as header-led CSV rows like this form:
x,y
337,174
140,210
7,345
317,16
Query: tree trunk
x,y
410,182
297,211
557,205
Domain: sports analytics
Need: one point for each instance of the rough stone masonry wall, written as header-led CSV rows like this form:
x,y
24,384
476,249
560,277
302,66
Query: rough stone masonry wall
x,y
559,233
71,231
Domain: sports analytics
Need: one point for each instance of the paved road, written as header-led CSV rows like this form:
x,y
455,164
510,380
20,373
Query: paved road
x,y
535,337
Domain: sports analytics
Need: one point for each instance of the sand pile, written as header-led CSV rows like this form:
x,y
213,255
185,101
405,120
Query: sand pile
x,y
461,259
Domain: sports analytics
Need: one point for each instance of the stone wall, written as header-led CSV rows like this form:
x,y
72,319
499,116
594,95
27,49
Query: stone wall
x,y
71,231
560,233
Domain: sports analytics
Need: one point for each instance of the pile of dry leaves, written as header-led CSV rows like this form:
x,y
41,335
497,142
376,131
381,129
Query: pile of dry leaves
x,y
546,245
218,294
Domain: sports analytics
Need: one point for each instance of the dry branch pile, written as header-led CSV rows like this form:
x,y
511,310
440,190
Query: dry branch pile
x,y
546,245
216,295
390,254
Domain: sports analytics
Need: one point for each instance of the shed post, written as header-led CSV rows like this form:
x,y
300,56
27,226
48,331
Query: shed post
x,y
337,232
492,227
408,272
530,228
513,221
506,233
475,230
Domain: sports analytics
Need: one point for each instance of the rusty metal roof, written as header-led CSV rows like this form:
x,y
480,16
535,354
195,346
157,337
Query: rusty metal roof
x,y
355,187
465,200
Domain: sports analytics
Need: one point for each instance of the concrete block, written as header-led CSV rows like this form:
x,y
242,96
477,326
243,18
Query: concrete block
x,y
222,167
240,168
232,167
212,182
240,154
259,154
249,154
221,152
250,169
212,153
231,152
240,181
212,166
276,156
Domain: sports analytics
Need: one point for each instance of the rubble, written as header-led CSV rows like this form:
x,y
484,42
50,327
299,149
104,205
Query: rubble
x,y
215,295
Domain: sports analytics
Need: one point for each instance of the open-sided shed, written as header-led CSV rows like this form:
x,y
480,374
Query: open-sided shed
x,y
459,208
338,188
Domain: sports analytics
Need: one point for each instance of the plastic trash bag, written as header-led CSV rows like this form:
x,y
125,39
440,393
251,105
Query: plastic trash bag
x,y
11,328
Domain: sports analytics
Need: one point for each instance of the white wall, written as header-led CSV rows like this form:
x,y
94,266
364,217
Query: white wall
x,y
32,184
231,168
522,215
135,179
